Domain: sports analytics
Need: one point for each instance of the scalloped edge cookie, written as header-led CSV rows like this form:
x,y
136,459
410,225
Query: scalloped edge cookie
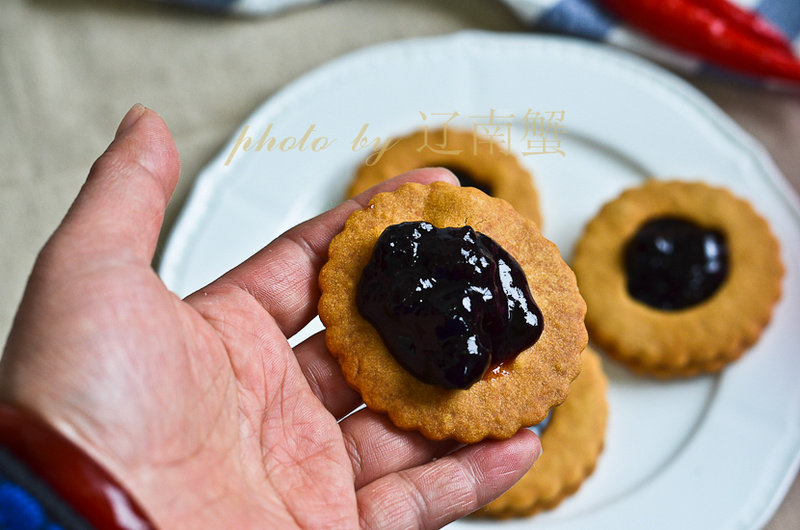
x,y
495,407
699,339
487,163
571,443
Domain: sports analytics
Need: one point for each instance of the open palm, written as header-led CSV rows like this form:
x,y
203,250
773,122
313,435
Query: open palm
x,y
199,406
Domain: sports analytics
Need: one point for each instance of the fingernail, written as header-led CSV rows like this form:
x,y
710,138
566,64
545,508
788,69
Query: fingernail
x,y
130,118
455,178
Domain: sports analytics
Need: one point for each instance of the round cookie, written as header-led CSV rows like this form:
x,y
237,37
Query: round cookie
x,y
496,406
494,171
571,444
703,337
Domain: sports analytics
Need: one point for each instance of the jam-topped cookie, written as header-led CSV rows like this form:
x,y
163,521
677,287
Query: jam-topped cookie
x,y
680,278
452,313
571,443
482,164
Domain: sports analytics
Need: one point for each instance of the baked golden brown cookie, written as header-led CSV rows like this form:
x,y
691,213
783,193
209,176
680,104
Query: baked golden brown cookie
x,y
483,164
724,293
571,444
519,392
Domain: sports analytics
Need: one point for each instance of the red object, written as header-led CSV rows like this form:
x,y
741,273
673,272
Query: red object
x,y
691,26
70,472
748,22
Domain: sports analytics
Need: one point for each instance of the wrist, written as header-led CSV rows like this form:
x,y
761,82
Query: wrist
x,y
59,477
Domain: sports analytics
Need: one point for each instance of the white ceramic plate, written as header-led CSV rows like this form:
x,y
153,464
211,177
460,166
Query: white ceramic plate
x,y
710,452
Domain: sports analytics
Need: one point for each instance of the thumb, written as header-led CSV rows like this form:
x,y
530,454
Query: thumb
x,y
120,208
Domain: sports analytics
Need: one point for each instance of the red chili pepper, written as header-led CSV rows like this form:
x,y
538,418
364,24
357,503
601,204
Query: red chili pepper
x,y
697,29
748,22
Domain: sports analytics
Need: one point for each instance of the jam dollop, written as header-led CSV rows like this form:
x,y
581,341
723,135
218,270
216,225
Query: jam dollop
x,y
467,180
672,263
447,302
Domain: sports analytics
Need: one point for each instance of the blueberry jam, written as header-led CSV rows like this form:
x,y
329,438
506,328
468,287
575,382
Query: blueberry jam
x,y
448,302
468,181
672,263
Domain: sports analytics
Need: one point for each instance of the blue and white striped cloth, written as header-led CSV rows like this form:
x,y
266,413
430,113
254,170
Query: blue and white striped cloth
x,y
580,18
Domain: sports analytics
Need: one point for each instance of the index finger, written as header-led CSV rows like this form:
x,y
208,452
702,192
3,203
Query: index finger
x,y
282,276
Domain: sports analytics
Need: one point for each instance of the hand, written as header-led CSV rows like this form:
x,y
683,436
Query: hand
x,y
199,407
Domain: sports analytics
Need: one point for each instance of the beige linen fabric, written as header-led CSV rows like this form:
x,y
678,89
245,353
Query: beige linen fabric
x,y
70,70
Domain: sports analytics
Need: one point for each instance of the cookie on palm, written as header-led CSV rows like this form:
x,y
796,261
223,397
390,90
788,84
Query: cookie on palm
x,y
449,311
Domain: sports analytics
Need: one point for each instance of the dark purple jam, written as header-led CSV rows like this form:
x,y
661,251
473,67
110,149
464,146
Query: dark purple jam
x,y
448,302
468,181
672,263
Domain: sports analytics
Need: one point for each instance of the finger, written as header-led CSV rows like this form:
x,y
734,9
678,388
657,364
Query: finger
x,y
325,377
376,447
120,208
283,275
439,492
